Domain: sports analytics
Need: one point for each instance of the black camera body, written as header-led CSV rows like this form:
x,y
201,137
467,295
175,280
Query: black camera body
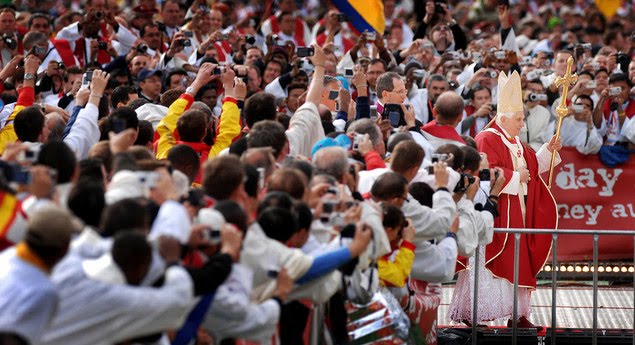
x,y
142,49
10,41
486,175
103,45
461,187
438,8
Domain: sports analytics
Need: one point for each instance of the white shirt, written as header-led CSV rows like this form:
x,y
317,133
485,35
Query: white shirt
x,y
93,312
233,315
28,298
52,55
125,39
536,129
576,133
305,129
430,223
85,131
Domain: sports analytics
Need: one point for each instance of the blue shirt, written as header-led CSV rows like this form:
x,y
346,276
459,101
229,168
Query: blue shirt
x,y
28,298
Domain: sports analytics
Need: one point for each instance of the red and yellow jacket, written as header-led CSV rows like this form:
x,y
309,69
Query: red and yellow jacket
x,y
228,128
395,273
26,97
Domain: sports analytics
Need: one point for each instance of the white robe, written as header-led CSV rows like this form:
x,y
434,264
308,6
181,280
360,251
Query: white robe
x,y
536,129
575,133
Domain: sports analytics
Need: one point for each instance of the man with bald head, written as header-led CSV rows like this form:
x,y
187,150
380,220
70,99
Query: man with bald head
x,y
448,113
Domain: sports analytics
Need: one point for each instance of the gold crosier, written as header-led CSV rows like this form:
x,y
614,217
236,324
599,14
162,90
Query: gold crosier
x,y
562,111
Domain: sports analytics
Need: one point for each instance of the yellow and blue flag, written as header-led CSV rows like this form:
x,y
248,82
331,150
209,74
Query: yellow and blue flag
x,y
364,15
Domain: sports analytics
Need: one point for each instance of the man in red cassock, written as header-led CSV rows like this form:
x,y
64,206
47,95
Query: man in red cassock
x,y
524,202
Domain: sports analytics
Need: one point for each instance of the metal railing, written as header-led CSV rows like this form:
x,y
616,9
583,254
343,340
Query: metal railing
x,y
554,277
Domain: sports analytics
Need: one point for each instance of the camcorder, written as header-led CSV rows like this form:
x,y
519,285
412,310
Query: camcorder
x,y
537,97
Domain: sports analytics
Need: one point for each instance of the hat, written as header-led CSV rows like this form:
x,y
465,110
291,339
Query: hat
x,y
341,140
52,226
211,217
124,184
153,113
510,94
147,73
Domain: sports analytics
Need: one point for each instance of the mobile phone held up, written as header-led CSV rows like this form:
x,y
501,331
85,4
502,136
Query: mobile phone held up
x,y
305,51
394,113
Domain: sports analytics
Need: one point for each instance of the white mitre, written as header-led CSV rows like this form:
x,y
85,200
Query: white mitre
x,y
510,94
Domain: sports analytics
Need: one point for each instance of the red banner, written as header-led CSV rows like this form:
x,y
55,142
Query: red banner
x,y
592,196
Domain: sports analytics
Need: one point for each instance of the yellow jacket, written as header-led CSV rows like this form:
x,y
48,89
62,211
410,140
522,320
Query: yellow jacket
x,y
395,273
26,97
228,129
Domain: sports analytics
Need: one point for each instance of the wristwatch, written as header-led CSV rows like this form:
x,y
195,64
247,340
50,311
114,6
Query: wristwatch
x,y
29,76
190,90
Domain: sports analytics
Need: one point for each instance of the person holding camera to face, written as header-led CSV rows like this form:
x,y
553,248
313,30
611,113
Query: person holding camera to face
x,y
439,26
614,112
536,130
578,129
89,39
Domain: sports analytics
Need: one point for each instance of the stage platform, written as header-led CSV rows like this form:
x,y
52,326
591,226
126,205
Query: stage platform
x,y
575,307
574,318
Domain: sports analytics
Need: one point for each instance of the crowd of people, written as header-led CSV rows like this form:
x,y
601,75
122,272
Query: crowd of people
x,y
191,172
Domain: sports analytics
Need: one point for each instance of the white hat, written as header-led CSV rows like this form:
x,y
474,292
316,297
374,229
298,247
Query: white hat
x,y
211,217
510,94
181,182
124,184
152,112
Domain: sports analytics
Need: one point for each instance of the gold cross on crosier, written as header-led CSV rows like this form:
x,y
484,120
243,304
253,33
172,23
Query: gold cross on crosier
x,y
562,111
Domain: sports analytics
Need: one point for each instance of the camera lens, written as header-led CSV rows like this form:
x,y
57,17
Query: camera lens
x,y
99,14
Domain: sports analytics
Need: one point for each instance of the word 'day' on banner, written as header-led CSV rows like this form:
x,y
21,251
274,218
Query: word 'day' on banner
x,y
592,196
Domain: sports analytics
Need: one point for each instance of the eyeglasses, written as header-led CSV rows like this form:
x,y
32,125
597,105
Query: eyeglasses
x,y
401,92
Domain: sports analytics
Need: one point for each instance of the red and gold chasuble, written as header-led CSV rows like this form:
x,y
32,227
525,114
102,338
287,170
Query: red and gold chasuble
x,y
533,207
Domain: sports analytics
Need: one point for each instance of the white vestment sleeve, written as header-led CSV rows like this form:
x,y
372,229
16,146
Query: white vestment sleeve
x,y
593,143
275,88
70,33
435,263
173,221
430,223
153,309
305,129
126,39
511,187
85,132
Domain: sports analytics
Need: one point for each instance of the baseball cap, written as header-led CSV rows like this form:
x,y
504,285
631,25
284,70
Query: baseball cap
x,y
147,73
52,226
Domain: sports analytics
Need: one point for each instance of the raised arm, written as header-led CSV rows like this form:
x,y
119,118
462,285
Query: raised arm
x,y
167,126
